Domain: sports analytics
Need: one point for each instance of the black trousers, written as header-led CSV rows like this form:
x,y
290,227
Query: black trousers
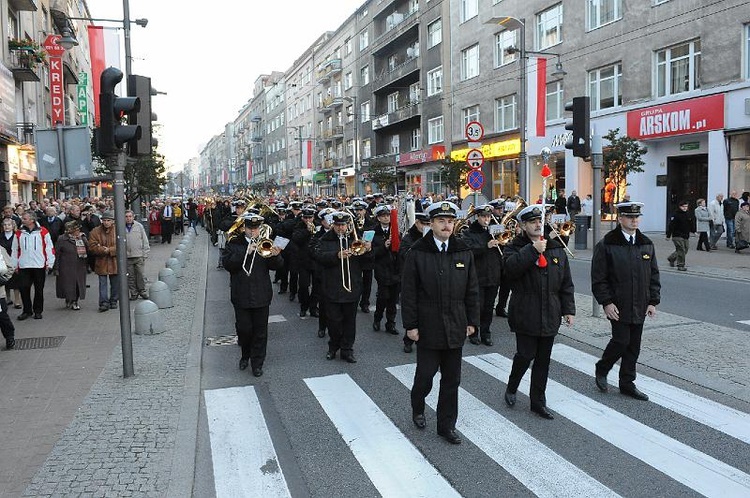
x,y
386,300
448,361
307,300
364,299
528,349
322,315
6,325
502,294
342,325
167,229
703,241
293,281
625,344
252,333
36,277
487,296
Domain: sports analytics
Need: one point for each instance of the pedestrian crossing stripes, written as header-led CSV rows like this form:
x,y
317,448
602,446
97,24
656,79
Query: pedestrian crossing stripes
x,y
394,465
276,319
744,322
244,459
694,469
245,462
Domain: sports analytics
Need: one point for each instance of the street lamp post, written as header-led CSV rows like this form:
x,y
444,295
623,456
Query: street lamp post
x,y
355,154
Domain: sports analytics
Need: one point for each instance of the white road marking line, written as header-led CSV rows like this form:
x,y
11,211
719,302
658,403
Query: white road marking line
x,y
245,462
276,318
705,411
512,448
698,471
744,322
394,465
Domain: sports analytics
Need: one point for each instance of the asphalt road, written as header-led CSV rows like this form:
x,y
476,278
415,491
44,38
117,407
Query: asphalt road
x,y
320,457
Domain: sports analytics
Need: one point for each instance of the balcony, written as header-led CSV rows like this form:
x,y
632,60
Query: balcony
x,y
28,5
389,76
26,132
328,69
330,163
24,61
396,25
330,102
391,118
333,133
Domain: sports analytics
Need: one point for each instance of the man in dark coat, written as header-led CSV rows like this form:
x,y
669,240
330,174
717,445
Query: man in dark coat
x,y
326,221
54,225
439,309
387,271
561,203
289,278
542,294
342,285
251,291
362,223
420,227
303,262
574,205
625,281
489,262
680,226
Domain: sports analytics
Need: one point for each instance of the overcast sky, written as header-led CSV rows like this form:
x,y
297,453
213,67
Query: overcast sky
x,y
206,56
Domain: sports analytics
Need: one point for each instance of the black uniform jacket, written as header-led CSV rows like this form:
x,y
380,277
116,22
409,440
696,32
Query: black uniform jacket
x,y
541,296
301,237
439,293
386,262
626,275
252,291
489,261
326,253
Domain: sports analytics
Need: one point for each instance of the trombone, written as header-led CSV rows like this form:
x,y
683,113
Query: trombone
x,y
263,245
356,248
559,235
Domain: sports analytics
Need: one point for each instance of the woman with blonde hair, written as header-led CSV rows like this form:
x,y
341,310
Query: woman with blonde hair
x,y
6,242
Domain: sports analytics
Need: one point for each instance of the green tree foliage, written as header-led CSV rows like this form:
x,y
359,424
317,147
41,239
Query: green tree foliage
x,y
383,175
454,173
621,157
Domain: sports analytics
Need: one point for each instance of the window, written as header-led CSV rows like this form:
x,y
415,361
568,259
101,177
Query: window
x,y
393,102
364,111
505,113
366,149
471,114
470,62
364,75
392,62
395,144
469,9
350,147
604,87
435,81
747,51
364,40
347,46
434,33
549,27
601,12
414,93
504,40
678,69
555,103
348,80
416,139
349,113
435,130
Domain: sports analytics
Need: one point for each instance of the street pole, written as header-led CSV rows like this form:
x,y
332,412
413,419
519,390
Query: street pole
x,y
61,152
299,139
122,265
597,162
523,169
356,147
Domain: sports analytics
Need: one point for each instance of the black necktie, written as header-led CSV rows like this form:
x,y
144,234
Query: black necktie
x,y
442,247
632,241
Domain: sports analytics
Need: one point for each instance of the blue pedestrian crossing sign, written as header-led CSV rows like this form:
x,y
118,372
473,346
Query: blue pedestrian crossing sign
x,y
475,179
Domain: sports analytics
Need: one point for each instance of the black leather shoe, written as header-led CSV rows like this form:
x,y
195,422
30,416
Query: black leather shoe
x,y
282,291
487,341
633,392
330,355
391,328
291,297
321,333
419,420
349,358
365,308
601,382
314,313
257,372
376,326
450,436
10,343
510,398
501,312
37,316
671,263
407,348
243,363
543,412
24,316
102,308
474,339
302,313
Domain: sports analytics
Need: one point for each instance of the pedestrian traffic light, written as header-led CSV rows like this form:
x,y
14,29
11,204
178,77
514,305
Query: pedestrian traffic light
x,y
140,87
580,125
112,134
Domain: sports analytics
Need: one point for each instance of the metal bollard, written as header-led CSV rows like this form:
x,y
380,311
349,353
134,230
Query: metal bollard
x,y
160,294
147,319
167,276
175,265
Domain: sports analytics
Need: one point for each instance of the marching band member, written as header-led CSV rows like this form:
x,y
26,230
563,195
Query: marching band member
x,y
251,291
342,284
418,230
326,220
489,262
362,223
542,294
289,276
303,263
387,271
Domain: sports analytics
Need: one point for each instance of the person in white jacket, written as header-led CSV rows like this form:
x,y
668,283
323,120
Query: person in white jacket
x,y
32,254
716,212
6,325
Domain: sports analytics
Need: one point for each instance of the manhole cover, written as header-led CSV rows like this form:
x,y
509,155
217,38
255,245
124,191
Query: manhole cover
x,y
39,342
223,340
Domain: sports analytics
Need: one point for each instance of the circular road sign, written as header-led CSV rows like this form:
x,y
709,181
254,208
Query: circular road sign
x,y
475,179
475,158
474,131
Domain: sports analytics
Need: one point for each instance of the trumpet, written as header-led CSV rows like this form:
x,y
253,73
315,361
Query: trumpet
x,y
263,247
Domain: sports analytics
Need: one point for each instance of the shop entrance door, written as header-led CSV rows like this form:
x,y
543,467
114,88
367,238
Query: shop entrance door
x,y
687,178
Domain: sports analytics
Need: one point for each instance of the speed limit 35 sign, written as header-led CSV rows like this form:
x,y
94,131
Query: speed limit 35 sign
x,y
474,131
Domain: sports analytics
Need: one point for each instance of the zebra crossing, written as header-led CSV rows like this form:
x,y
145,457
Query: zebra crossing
x,y
245,462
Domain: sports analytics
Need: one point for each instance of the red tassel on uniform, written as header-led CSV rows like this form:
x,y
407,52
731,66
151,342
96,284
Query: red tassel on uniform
x,y
395,236
542,261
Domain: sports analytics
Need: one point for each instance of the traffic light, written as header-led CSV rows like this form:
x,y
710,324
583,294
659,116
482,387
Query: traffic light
x,y
580,125
112,134
140,86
